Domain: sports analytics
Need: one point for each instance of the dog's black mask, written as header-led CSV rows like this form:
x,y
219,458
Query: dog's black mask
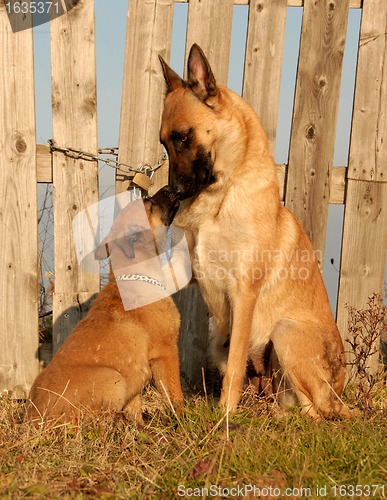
x,y
183,133
194,178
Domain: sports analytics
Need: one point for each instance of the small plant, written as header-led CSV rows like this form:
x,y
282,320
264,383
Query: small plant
x,y
365,328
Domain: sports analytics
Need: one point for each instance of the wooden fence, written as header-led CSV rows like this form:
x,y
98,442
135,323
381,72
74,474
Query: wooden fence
x,y
309,183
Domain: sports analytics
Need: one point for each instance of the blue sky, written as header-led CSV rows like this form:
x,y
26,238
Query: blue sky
x,y
110,39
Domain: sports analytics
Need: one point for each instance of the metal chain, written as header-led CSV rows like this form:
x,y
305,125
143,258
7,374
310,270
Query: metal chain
x,y
78,154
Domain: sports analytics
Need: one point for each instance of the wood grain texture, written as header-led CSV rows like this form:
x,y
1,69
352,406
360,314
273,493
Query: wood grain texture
x,y
18,208
315,114
209,25
149,33
74,116
263,62
337,189
354,4
364,247
368,152
338,186
43,163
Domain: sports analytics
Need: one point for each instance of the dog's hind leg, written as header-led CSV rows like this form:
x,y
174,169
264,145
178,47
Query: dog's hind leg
x,y
311,360
85,388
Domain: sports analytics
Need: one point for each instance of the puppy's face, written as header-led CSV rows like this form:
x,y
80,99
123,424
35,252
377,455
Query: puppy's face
x,y
138,235
161,208
188,125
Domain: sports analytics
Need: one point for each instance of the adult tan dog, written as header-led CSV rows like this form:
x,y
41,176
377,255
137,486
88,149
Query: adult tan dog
x,y
251,258
113,352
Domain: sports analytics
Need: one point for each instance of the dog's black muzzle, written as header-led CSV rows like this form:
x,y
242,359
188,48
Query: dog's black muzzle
x,y
168,202
199,176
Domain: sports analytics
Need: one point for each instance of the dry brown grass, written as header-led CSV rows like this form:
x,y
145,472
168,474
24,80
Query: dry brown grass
x,y
107,457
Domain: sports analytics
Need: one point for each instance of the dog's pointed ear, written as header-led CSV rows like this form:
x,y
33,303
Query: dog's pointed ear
x,y
200,77
172,79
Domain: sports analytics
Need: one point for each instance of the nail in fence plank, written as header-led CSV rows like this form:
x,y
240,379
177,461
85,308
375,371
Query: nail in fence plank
x,y
315,114
263,64
364,244
74,116
19,363
149,33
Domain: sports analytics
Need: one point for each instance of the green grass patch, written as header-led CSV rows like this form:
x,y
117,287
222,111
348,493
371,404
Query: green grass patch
x,y
196,454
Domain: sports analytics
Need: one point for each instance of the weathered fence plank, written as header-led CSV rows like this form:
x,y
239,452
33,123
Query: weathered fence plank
x,y
209,25
43,163
149,33
74,116
214,38
316,104
19,362
263,63
354,4
364,245
337,190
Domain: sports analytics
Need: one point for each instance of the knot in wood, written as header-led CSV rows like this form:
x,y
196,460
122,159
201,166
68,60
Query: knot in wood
x,y
322,82
21,145
310,132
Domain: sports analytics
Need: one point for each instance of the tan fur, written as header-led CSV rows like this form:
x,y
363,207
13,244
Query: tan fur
x,y
251,257
113,353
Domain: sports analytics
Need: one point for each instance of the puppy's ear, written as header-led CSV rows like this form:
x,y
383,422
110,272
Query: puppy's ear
x,y
200,77
172,79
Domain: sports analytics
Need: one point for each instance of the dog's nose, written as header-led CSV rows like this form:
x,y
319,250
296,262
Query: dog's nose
x,y
165,195
168,202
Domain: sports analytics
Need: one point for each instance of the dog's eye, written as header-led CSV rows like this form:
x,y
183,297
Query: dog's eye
x,y
184,138
132,238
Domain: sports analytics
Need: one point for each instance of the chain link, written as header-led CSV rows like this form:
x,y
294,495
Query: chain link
x,y
78,154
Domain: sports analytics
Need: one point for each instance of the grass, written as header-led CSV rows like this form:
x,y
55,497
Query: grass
x,y
185,456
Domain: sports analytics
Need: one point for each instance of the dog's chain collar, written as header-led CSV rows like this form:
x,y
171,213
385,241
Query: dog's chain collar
x,y
140,277
78,154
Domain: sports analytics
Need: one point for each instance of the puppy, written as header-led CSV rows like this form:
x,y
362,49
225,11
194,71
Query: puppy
x,y
114,352
251,258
